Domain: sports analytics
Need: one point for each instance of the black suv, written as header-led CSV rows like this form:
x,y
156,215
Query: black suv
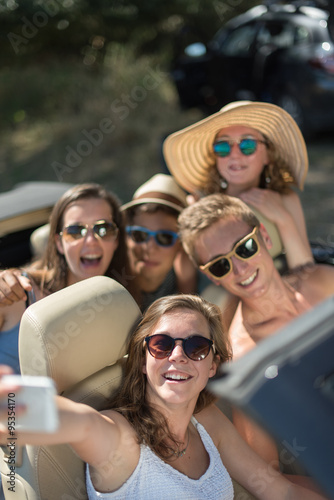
x,y
280,53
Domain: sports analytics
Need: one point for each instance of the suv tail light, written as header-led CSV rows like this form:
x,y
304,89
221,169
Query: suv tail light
x,y
324,63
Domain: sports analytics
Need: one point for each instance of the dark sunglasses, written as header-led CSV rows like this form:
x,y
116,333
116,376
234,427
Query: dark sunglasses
x,y
244,249
195,347
247,146
162,238
103,229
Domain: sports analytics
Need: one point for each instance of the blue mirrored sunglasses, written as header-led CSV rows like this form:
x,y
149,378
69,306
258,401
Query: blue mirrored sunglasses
x,y
162,237
247,146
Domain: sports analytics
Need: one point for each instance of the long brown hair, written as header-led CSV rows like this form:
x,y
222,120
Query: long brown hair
x,y
51,271
150,425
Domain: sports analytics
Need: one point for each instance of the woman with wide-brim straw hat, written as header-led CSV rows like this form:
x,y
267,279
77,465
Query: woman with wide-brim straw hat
x,y
255,151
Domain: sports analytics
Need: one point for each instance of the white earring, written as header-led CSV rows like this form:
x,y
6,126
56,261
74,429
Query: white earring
x,y
223,184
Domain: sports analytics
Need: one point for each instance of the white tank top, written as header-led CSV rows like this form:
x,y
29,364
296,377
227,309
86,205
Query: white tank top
x,y
153,479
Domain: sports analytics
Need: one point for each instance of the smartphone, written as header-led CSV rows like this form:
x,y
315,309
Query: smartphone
x,y
37,395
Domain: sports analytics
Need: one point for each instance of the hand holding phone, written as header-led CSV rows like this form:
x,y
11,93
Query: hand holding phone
x,y
37,395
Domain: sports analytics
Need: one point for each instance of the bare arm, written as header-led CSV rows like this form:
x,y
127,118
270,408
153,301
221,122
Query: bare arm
x,y
316,283
287,213
245,466
13,287
91,434
106,441
298,227
259,440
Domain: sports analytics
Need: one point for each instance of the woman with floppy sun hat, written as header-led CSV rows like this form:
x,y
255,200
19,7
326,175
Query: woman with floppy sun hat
x,y
254,151
161,437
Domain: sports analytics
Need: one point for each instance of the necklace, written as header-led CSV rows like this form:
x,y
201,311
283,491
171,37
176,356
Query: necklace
x,y
180,453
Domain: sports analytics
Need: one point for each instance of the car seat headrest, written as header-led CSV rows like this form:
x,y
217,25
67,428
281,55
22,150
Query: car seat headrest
x,y
61,335
39,240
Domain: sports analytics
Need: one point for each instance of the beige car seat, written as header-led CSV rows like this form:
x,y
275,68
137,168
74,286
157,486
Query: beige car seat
x,y
39,240
78,337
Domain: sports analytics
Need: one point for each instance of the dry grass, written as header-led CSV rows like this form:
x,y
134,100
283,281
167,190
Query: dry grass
x,y
131,102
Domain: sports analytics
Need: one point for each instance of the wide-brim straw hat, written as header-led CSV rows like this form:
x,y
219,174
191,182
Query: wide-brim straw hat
x,y
188,152
160,189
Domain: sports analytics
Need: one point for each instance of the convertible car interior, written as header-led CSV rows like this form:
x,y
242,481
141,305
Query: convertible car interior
x,y
78,337
22,210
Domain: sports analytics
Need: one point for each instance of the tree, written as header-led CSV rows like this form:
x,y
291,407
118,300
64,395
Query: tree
x,y
57,28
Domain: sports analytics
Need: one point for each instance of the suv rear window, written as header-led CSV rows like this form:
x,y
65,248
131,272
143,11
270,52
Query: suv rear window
x,y
240,41
280,35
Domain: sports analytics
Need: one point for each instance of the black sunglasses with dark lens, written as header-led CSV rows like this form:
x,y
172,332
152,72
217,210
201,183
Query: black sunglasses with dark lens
x,y
247,146
102,229
195,347
244,249
163,238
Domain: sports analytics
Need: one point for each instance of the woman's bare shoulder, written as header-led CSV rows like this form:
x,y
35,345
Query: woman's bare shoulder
x,y
213,420
116,418
319,282
291,198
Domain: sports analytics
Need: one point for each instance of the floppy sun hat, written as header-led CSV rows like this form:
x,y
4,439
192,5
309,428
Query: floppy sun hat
x,y
188,152
161,189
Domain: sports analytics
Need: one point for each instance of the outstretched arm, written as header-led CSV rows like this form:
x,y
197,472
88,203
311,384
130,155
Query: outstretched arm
x,y
106,441
91,434
287,213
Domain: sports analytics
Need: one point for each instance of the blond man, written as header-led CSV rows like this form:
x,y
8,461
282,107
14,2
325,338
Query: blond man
x,y
226,241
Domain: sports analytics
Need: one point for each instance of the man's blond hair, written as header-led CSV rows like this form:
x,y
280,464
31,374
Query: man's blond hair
x,y
206,212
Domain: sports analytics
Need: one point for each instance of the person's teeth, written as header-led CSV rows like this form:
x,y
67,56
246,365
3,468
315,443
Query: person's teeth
x,y
249,280
91,257
173,376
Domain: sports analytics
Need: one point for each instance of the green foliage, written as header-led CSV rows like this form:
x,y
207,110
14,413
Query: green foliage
x,y
67,28
69,65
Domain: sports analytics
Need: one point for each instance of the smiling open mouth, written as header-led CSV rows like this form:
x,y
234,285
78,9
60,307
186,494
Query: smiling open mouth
x,y
249,280
90,259
174,376
236,168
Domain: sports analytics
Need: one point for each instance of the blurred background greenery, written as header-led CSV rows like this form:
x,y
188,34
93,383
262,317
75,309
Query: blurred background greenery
x,y
70,67
68,64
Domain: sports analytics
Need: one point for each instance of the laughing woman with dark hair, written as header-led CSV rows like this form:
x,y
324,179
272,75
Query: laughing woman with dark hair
x,y
86,238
